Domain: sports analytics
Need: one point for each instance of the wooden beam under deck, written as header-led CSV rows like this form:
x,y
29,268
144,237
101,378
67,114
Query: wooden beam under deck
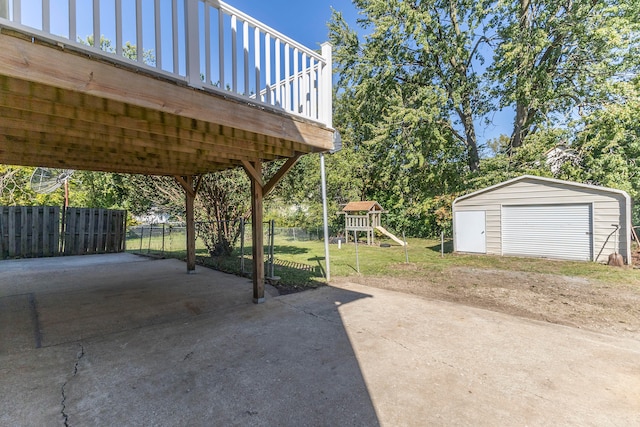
x,y
63,109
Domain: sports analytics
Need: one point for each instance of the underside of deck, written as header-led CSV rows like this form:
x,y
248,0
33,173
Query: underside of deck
x,y
63,108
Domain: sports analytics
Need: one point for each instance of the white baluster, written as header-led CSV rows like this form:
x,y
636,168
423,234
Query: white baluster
x,y
313,111
46,16
221,46
234,53
257,58
73,32
287,75
158,25
17,11
295,105
174,33
207,44
245,50
278,76
267,71
139,34
96,24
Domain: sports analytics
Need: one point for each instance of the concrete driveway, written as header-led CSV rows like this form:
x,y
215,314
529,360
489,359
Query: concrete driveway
x,y
122,340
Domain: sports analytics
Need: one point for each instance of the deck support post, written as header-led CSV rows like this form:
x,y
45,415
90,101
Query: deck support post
x,y
254,171
258,192
190,190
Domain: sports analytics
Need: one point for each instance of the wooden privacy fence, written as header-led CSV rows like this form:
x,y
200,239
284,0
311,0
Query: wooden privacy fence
x,y
88,231
36,231
29,231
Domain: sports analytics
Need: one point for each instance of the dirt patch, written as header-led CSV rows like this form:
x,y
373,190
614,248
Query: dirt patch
x,y
570,301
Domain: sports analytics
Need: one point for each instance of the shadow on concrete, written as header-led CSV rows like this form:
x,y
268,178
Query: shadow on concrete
x,y
142,342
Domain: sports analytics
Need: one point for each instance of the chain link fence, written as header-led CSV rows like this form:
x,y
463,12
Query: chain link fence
x,y
170,240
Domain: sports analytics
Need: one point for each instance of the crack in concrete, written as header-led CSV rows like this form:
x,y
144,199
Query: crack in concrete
x,y
63,411
310,313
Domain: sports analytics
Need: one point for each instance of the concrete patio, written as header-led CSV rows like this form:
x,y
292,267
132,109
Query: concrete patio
x,y
119,339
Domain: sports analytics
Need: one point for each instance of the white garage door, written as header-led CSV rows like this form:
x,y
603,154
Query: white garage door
x,y
470,232
553,231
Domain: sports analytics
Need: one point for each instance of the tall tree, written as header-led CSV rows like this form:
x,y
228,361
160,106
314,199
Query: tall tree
x,y
415,71
559,58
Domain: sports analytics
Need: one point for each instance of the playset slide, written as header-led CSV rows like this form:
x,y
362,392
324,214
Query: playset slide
x,y
389,235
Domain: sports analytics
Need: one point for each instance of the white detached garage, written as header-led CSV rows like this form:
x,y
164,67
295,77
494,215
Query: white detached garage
x,y
544,217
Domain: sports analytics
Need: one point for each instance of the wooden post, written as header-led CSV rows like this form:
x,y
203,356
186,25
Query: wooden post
x,y
190,196
257,232
191,226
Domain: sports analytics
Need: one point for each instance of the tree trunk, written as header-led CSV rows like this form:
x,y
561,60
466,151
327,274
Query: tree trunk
x,y
522,108
470,135
519,126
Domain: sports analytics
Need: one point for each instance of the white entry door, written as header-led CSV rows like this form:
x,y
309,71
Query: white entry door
x,y
470,233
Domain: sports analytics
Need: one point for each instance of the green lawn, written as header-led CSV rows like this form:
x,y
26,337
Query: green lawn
x,y
301,263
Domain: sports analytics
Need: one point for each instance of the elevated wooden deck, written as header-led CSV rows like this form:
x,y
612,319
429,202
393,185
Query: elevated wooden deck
x,y
67,104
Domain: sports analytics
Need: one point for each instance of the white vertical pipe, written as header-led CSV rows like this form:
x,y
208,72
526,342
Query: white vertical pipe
x,y
326,86
158,26
46,16
207,44
257,59
325,218
73,25
96,24
234,53
245,50
174,33
221,46
192,37
118,27
139,41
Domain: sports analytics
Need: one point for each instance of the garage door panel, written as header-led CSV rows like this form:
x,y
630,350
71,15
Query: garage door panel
x,y
554,231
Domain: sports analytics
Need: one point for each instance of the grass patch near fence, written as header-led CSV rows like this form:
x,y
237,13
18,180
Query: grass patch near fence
x,y
300,264
425,261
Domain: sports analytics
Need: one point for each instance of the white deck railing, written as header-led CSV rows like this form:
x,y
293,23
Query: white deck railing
x,y
206,43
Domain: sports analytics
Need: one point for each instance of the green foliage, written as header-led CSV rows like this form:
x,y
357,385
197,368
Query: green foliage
x,y
414,84
556,58
223,198
129,51
411,79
